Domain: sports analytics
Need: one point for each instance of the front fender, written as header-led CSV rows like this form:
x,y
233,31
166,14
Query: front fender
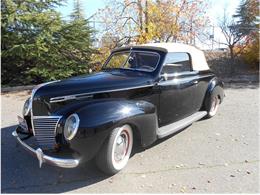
x,y
98,119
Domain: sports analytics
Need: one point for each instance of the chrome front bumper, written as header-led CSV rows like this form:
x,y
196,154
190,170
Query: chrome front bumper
x,y
59,162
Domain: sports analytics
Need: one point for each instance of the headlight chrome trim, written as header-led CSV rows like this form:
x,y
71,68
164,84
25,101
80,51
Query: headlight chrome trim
x,y
72,135
29,107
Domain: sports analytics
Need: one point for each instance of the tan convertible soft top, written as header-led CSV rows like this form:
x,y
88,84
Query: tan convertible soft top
x,y
197,56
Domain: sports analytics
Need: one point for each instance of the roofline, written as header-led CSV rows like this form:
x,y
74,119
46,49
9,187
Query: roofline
x,y
140,47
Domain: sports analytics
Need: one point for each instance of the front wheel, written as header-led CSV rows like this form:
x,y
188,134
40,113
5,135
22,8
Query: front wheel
x,y
116,151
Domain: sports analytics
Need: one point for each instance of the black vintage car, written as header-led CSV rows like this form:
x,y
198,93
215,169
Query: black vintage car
x,y
142,94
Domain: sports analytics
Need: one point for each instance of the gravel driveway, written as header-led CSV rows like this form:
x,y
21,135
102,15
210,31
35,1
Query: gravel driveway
x,y
219,155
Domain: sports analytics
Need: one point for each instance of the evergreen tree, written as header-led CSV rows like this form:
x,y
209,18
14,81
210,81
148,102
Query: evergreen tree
x,y
37,46
77,12
248,16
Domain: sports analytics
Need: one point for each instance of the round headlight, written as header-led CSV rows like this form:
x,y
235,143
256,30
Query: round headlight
x,y
27,107
71,126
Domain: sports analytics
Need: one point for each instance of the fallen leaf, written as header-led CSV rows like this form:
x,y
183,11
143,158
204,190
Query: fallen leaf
x,y
232,175
183,189
193,188
248,172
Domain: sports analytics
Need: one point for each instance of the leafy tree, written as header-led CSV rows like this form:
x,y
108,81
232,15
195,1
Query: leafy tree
x,y
231,34
38,46
141,21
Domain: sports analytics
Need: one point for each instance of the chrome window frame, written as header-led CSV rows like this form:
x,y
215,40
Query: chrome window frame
x,y
130,52
190,72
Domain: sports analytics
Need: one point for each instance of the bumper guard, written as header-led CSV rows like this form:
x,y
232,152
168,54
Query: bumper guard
x,y
59,162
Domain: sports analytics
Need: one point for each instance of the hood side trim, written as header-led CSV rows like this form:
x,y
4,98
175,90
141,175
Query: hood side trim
x,y
90,94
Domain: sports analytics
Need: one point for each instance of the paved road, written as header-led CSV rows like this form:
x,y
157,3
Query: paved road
x,y
218,155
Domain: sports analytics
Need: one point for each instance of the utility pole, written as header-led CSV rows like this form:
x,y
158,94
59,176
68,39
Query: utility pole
x,y
191,36
212,37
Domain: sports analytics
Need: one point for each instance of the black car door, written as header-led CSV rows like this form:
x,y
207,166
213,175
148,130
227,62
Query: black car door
x,y
177,88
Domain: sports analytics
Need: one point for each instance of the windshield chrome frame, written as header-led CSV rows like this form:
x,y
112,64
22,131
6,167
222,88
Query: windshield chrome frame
x,y
130,52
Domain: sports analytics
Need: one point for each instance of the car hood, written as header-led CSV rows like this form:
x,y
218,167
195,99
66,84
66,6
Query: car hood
x,y
94,83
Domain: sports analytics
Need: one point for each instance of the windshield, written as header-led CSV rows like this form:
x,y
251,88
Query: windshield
x,y
137,60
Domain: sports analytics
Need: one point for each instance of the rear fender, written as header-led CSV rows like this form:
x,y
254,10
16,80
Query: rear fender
x,y
215,88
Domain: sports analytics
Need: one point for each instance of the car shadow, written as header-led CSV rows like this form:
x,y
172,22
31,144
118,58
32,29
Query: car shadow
x,y
20,172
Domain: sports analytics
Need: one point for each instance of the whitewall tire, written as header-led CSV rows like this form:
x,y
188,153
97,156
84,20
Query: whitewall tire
x,y
215,102
116,151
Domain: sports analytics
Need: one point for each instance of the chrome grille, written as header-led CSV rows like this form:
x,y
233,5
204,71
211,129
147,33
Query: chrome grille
x,y
45,130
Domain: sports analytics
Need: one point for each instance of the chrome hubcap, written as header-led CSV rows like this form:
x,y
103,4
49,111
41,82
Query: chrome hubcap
x,y
121,147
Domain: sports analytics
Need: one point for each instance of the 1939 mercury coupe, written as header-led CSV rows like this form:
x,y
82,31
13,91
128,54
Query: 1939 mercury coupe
x,y
142,94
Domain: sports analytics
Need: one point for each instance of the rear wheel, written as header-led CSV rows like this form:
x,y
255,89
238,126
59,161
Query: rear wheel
x,y
116,151
215,101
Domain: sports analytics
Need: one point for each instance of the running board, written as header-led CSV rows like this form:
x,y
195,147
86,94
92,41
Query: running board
x,y
176,126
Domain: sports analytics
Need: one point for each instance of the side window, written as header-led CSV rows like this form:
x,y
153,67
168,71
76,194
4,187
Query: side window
x,y
177,62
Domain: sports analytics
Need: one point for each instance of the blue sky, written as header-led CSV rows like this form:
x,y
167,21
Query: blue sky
x,y
216,7
89,6
215,11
